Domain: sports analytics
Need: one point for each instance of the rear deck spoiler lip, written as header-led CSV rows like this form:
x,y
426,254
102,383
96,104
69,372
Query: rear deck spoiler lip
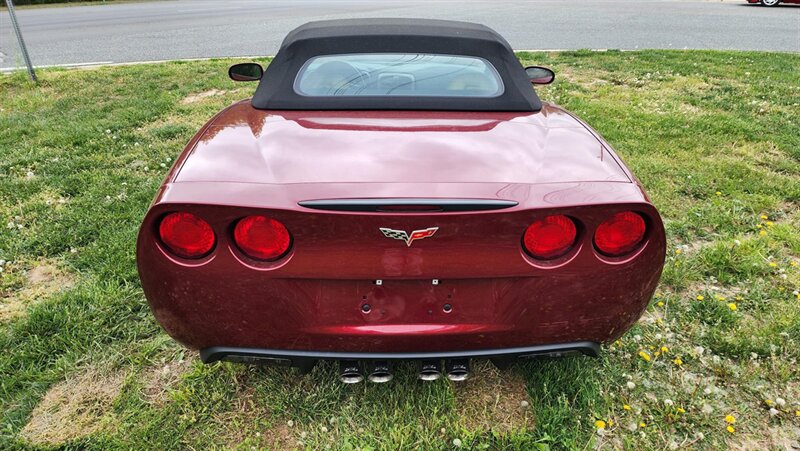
x,y
427,205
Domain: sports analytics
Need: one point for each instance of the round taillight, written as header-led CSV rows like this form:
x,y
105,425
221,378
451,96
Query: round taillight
x,y
186,235
620,234
262,238
550,237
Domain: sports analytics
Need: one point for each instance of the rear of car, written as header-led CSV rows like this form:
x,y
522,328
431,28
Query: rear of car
x,y
396,190
298,256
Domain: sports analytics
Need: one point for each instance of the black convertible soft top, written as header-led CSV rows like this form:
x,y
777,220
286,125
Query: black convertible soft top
x,y
335,37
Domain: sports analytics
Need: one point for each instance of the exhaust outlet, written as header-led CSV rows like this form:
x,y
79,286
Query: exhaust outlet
x,y
457,369
350,372
429,370
379,372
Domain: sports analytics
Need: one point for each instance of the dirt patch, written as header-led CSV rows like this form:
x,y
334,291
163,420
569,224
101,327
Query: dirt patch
x,y
75,408
493,400
197,97
783,438
43,280
160,380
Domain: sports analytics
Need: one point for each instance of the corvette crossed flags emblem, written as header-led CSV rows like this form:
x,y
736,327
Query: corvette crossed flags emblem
x,y
408,238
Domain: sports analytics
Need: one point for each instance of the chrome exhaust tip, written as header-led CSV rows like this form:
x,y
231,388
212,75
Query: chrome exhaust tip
x,y
379,372
350,372
429,370
457,369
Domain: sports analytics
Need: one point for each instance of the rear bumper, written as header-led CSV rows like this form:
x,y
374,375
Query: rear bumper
x,y
305,359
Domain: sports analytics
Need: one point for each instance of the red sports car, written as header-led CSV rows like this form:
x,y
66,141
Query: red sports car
x,y
395,190
773,2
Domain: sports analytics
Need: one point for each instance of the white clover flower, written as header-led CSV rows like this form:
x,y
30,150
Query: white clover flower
x,y
30,174
524,404
699,350
631,385
324,429
773,412
780,401
668,402
290,423
457,443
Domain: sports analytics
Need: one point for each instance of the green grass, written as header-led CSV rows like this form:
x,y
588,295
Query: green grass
x,y
714,136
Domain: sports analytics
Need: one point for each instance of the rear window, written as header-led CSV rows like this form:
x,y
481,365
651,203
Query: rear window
x,y
398,74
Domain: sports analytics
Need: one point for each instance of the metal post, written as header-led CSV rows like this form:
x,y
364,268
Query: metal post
x,y
15,24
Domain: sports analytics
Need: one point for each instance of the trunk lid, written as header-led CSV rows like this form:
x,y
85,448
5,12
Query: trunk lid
x,y
285,147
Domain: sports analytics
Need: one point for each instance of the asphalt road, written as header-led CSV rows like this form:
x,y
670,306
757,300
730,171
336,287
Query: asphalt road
x,y
126,32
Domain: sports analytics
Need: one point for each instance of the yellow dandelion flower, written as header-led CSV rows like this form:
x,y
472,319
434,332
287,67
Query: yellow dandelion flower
x,y
731,429
644,356
627,407
764,217
660,303
730,419
738,298
610,423
797,413
773,264
656,354
600,424
732,306
678,251
759,226
681,410
768,402
664,349
718,193
792,263
720,298
762,233
678,361
770,223
642,424
700,297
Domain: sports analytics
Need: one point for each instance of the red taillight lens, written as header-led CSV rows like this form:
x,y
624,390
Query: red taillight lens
x,y
620,234
262,238
550,237
186,235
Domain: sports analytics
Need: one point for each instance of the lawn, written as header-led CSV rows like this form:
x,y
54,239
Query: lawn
x,y
714,136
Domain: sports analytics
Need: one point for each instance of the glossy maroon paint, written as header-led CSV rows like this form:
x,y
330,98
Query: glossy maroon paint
x,y
247,161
